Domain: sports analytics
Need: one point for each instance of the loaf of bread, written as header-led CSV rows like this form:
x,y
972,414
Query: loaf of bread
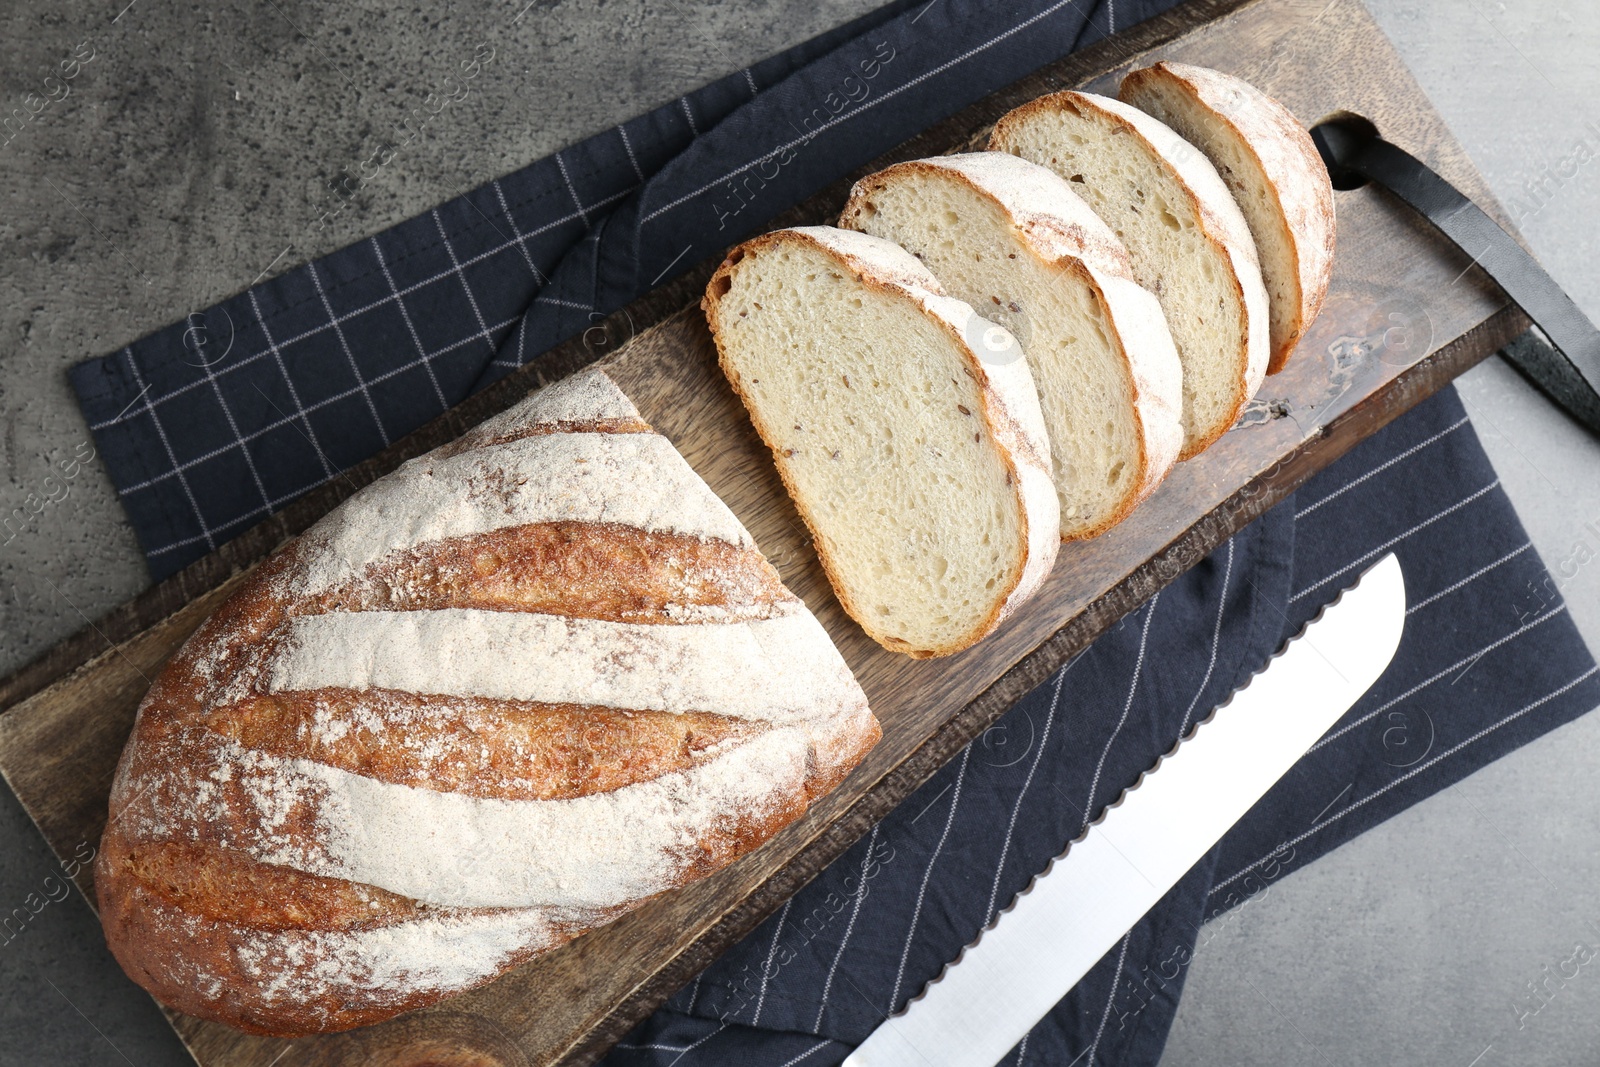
x,y
1187,241
1268,162
905,426
491,702
1012,238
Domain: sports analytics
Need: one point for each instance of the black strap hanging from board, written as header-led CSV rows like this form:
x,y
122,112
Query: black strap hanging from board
x,y
1561,354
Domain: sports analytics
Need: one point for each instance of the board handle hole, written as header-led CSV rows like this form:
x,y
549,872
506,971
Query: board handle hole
x,y
1336,137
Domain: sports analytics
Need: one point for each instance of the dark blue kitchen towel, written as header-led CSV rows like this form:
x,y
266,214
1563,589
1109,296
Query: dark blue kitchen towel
x,y
213,423
1489,660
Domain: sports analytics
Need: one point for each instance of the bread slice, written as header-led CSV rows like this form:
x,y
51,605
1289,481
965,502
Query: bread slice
x,y
1268,162
1186,238
1012,238
905,427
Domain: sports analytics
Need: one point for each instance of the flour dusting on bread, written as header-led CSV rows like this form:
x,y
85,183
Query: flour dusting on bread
x,y
492,701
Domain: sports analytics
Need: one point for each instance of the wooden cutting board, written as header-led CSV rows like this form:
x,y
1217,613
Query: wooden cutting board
x,y
1407,312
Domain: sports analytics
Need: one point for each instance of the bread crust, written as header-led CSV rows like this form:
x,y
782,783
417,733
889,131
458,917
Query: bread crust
x,y
215,890
1009,409
1063,233
1221,224
1157,388
1291,169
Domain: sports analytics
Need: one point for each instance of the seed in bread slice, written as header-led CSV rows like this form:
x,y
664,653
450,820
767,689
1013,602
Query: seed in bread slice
x,y
1186,239
1012,238
920,466
1268,162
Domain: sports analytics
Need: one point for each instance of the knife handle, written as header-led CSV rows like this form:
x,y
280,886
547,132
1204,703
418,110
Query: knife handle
x,y
1561,354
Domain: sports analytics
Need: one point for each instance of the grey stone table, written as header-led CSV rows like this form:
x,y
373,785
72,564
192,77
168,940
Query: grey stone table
x,y
190,159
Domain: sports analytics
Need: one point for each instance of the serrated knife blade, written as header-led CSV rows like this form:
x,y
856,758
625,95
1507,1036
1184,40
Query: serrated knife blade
x,y
1082,904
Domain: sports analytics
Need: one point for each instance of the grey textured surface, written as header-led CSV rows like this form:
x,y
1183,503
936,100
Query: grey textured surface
x,y
192,154
190,157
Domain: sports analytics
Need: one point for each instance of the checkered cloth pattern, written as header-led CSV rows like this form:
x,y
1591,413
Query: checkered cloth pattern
x,y
214,423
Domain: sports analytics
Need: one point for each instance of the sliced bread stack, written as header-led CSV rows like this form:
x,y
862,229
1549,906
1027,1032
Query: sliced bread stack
x,y
1267,160
1012,238
1187,240
905,427
1154,257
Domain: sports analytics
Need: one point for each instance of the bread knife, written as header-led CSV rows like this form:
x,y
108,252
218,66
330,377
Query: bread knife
x,y
1081,905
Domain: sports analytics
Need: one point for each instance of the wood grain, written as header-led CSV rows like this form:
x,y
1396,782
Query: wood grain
x,y
1407,312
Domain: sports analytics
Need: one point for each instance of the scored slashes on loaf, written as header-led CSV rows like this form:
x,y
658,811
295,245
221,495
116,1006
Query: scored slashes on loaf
x,y
905,427
493,701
